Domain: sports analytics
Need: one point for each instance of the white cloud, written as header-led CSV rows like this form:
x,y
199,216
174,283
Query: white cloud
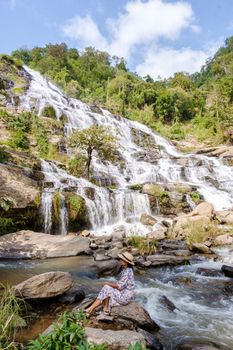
x,y
140,26
145,22
85,31
164,62
142,22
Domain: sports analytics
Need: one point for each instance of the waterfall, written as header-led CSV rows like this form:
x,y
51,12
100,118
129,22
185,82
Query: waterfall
x,y
145,157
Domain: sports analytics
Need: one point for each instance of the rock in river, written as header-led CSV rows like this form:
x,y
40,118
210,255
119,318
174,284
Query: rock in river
x,y
46,285
32,245
116,340
227,270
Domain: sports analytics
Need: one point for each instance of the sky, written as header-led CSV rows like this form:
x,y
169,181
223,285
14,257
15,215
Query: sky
x,y
155,37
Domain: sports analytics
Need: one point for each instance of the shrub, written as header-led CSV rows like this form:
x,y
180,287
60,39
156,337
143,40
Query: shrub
x,y
3,155
67,334
197,232
196,197
49,112
144,245
19,140
11,310
7,202
41,135
77,165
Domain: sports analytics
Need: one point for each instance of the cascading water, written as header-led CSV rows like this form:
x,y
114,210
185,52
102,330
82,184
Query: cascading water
x,y
146,157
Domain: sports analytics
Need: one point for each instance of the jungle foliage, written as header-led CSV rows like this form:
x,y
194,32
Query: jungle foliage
x,y
200,104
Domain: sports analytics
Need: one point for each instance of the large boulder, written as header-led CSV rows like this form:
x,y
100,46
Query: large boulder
x,y
146,219
203,209
223,240
225,217
116,340
46,285
182,224
200,248
29,244
163,259
135,313
227,270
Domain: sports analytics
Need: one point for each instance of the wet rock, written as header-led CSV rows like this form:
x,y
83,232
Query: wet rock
x,y
107,268
45,285
152,342
177,252
158,234
146,219
200,248
174,245
160,259
29,244
209,272
227,270
85,233
113,253
116,340
223,239
167,303
101,257
73,295
200,346
135,313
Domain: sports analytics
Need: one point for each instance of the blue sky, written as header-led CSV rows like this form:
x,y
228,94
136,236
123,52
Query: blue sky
x,y
156,37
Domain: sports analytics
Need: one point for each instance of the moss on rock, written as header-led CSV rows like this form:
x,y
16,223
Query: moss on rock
x,y
77,211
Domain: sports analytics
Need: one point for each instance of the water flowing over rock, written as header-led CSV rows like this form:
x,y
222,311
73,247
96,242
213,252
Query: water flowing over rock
x,y
164,165
46,285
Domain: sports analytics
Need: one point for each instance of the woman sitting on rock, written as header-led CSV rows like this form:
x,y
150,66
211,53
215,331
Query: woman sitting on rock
x,y
116,294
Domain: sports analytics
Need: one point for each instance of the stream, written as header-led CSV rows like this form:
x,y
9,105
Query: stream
x,y
204,304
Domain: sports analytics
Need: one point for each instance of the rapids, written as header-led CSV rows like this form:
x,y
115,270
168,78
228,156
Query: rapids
x,y
204,312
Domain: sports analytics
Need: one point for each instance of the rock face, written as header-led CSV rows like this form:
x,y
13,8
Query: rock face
x,y
116,340
135,313
46,285
29,244
14,183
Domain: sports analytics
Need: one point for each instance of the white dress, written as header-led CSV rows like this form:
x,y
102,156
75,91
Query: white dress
x,y
124,294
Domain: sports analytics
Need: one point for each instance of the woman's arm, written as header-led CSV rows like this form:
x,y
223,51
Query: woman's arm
x,y
110,284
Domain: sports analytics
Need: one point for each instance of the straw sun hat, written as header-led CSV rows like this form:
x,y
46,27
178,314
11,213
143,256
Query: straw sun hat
x,y
126,256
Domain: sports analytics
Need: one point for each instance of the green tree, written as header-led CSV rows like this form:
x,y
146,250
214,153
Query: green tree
x,y
96,138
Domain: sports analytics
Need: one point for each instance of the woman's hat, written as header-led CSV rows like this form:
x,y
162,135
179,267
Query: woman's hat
x,y
126,256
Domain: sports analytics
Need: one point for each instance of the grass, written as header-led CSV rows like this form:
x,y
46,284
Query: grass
x,y
11,309
144,245
199,233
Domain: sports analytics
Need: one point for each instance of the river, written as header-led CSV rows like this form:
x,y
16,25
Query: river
x,y
204,304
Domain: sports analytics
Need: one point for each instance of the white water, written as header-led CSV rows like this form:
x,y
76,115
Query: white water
x,y
213,179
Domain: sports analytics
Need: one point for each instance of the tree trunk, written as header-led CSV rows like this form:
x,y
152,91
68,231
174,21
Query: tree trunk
x,y
89,158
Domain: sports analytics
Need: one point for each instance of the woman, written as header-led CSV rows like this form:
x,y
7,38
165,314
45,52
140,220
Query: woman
x,y
115,294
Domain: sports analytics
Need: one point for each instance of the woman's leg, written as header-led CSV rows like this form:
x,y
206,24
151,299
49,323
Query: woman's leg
x,y
106,304
93,306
